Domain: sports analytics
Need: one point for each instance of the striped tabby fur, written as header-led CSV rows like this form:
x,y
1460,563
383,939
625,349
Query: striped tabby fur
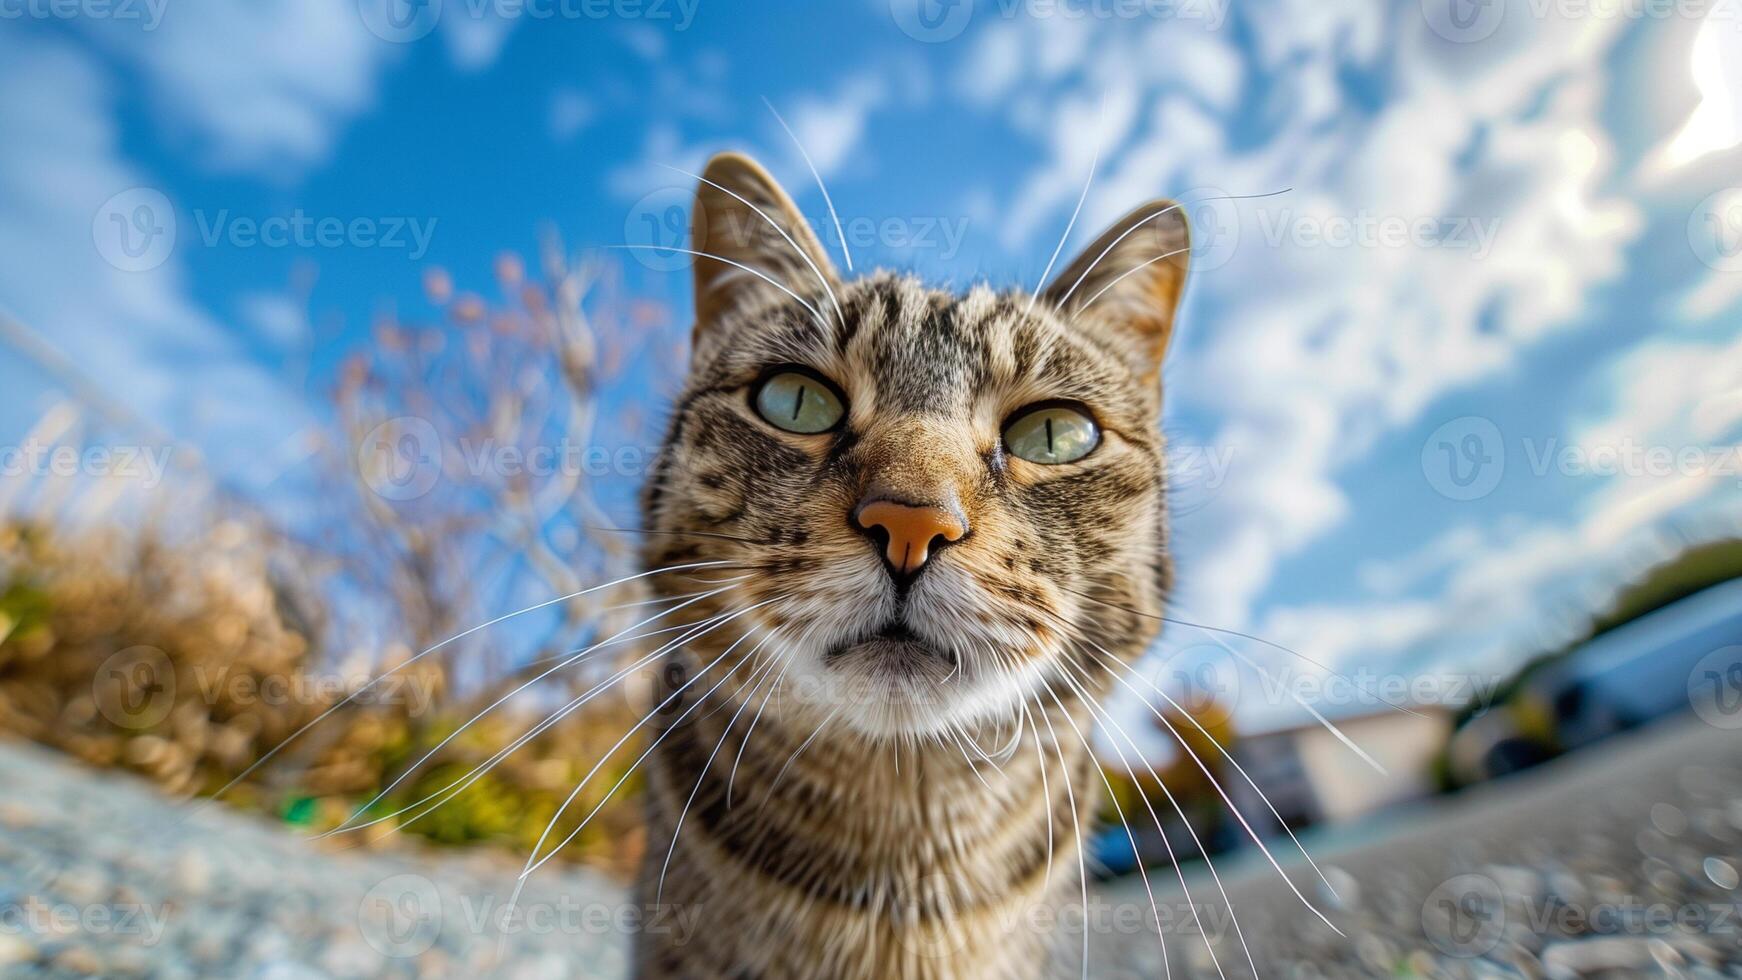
x,y
846,813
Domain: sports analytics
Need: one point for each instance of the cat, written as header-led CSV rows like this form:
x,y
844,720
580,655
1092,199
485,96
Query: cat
x,y
937,531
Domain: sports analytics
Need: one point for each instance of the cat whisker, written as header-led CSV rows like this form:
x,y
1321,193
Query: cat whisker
x,y
533,860
950,730
677,534
827,200
1045,790
794,756
1231,760
821,321
1062,300
459,785
1244,636
612,640
274,750
1094,162
1329,726
732,777
436,799
760,674
1226,799
1121,277
802,254
1066,298
1076,829
1107,719
660,600
566,654
1119,809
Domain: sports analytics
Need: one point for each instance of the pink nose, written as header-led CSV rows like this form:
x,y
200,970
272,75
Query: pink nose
x,y
912,531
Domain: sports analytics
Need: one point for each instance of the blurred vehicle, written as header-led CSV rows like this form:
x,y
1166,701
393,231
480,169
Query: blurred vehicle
x,y
1685,655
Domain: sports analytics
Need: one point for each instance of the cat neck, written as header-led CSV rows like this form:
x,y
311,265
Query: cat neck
x,y
925,857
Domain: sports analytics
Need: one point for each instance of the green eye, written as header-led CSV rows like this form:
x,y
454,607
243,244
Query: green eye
x,y
798,402
1053,434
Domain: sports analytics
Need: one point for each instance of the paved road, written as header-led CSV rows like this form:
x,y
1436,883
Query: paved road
x,y
1620,864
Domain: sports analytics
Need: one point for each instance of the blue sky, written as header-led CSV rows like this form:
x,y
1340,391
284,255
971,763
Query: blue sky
x,y
1507,259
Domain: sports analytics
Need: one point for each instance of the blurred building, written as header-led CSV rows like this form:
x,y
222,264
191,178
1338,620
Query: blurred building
x,y
1309,776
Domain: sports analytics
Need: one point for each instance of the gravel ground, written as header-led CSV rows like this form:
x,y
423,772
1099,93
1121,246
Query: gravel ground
x,y
100,876
1620,863
1623,863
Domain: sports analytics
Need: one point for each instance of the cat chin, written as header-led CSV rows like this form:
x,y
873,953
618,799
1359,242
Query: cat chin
x,y
887,690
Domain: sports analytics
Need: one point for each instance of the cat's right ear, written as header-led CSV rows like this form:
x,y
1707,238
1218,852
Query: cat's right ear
x,y
749,229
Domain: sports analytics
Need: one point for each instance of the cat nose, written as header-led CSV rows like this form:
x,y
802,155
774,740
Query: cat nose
x,y
913,531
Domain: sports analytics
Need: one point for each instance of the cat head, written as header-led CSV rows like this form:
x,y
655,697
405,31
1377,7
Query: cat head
x,y
926,505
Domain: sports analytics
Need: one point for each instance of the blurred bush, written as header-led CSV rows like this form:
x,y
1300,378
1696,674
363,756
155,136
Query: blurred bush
x,y
191,635
127,650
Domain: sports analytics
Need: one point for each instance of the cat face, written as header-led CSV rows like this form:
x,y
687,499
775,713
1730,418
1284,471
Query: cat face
x,y
929,504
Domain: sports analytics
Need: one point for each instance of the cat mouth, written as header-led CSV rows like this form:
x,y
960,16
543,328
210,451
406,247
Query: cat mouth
x,y
894,647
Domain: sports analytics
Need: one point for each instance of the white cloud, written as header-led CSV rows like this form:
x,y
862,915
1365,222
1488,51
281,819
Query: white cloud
x,y
136,334
278,318
1393,576
570,112
1716,63
263,85
1664,453
1718,292
1308,349
474,43
831,129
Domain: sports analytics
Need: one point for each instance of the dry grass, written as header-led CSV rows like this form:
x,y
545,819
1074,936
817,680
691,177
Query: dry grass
x,y
189,636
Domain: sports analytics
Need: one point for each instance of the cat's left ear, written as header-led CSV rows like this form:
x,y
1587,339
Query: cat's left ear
x,y
755,245
1127,285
